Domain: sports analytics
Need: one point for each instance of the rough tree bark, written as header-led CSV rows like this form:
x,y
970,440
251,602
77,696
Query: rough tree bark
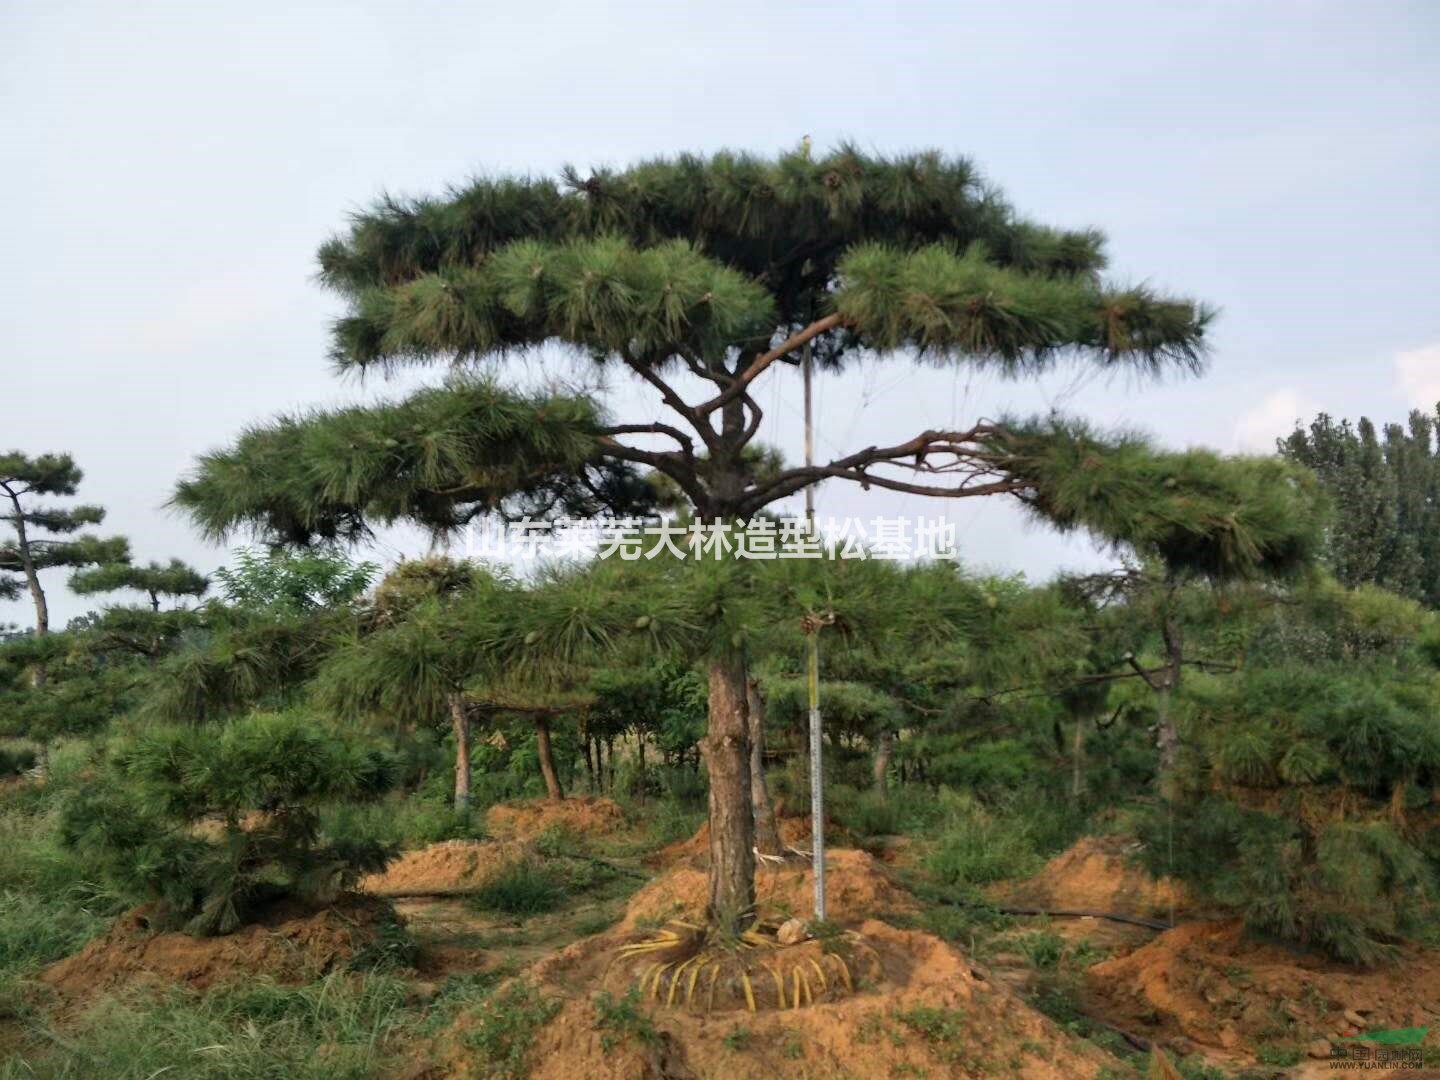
x,y
732,818
1167,736
884,748
460,722
32,577
585,749
767,832
547,759
640,755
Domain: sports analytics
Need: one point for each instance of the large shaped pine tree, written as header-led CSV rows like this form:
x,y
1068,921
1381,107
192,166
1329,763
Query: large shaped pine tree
x,y
697,271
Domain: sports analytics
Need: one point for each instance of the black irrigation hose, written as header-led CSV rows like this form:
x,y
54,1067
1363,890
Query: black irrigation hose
x,y
1059,913
1078,913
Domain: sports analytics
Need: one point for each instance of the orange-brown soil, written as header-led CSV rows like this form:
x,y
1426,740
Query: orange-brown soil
x,y
587,815
1208,984
794,832
1097,873
290,945
449,868
924,1012
857,886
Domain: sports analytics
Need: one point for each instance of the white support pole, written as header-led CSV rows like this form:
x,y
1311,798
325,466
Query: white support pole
x,y
812,675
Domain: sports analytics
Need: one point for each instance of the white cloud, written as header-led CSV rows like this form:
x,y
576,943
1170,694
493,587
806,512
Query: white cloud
x,y
1272,419
1418,372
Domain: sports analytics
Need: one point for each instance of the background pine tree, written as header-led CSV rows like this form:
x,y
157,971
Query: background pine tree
x,y
45,534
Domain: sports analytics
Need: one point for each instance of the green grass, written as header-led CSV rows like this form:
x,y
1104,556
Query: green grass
x,y
338,1027
905,810
1042,948
504,1028
524,887
35,931
975,846
941,1028
621,1020
49,906
738,1039
407,822
1280,1056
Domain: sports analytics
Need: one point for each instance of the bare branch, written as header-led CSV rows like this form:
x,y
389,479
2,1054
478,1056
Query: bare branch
x,y
935,453
674,400
761,362
653,429
673,464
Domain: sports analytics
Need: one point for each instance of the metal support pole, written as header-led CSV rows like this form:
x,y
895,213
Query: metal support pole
x,y
812,676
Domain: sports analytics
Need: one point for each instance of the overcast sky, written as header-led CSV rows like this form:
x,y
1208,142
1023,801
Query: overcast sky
x,y
170,169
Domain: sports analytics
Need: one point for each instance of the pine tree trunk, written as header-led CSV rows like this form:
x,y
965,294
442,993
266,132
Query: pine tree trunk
x,y
1167,736
547,759
732,820
640,754
884,748
767,833
32,576
460,722
585,747
32,580
1077,762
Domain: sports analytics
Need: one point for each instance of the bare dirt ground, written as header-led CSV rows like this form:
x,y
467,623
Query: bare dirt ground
x,y
290,945
451,867
1210,985
917,1006
1099,873
582,815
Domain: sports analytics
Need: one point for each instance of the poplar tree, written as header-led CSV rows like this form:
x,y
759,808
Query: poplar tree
x,y
1385,487
695,277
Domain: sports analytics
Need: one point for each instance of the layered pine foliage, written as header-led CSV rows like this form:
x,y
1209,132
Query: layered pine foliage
x,y
1310,774
213,822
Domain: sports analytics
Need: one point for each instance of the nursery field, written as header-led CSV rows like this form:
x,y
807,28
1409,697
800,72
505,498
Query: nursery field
x,y
312,816
498,950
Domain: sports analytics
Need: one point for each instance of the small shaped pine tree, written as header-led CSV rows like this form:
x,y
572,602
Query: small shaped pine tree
x,y
213,822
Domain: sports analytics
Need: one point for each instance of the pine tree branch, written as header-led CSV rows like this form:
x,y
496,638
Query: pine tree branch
x,y
970,461
756,415
758,366
697,419
653,429
670,463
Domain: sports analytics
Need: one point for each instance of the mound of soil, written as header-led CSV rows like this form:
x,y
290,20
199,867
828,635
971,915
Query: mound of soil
x,y
290,944
857,886
1098,873
449,868
794,832
930,1015
587,815
1210,984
